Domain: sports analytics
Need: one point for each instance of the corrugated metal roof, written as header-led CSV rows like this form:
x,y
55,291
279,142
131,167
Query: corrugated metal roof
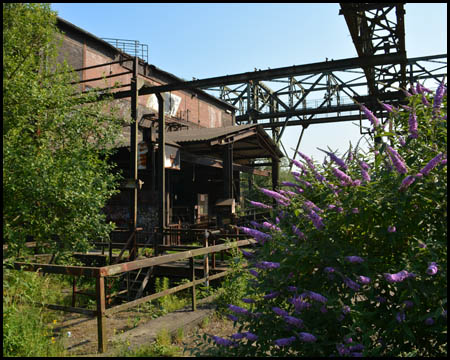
x,y
203,134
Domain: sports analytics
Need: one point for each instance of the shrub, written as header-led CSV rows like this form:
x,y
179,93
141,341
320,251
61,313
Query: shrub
x,y
354,261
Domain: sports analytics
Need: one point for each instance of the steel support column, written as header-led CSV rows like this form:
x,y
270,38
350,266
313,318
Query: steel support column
x,y
134,155
161,172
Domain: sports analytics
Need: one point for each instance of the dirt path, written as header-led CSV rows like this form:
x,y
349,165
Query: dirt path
x,y
134,328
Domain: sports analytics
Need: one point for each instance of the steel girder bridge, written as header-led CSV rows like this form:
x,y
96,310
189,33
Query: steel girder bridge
x,y
378,33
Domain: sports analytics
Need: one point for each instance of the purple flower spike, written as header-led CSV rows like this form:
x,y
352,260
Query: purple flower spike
x,y
279,311
406,182
258,235
337,160
299,303
432,269
422,245
363,279
297,232
238,336
293,321
254,273
438,97
275,195
354,259
271,295
431,164
413,125
307,337
246,254
401,140
391,229
346,309
408,304
248,301
375,122
356,347
251,336
222,341
316,220
317,297
400,317
232,317
267,265
237,309
329,269
344,178
285,341
351,284
397,160
429,321
388,108
425,101
398,277
260,205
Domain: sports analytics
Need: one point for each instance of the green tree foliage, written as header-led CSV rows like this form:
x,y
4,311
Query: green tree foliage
x,y
56,143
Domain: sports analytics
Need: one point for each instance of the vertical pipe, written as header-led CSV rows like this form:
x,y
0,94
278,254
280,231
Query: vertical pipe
x,y
194,301
134,152
101,319
161,170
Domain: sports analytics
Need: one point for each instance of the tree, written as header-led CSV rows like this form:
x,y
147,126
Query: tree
x,y
56,141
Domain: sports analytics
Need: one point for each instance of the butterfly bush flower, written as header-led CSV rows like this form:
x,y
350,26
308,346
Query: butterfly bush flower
x,y
355,211
408,304
248,301
238,336
285,341
271,295
328,269
401,140
391,229
275,195
425,101
267,265
422,245
346,309
316,220
255,224
293,321
356,347
397,160
250,336
258,235
431,164
421,89
232,317
260,205
254,273
356,182
270,226
222,341
315,296
363,279
237,309
288,183
398,277
246,254
342,350
299,303
400,317
345,179
438,97
279,311
413,125
429,321
337,160
297,232
388,108
375,122
307,337
351,284
432,269
354,259
407,181
292,288
310,205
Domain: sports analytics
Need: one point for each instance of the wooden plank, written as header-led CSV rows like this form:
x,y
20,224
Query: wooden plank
x,y
158,260
194,302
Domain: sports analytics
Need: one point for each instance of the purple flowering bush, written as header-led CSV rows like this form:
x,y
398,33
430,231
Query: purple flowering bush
x,y
357,262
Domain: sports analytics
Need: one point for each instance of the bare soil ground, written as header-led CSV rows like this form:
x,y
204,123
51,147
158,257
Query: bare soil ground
x,y
79,333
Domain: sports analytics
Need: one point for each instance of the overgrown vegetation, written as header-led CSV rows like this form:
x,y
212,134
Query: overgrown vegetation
x,y
354,260
56,177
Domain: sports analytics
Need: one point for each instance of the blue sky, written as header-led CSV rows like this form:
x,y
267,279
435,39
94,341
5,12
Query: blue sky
x,y
207,40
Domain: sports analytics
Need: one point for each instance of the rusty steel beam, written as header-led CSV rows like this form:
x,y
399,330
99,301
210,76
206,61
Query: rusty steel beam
x,y
158,260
